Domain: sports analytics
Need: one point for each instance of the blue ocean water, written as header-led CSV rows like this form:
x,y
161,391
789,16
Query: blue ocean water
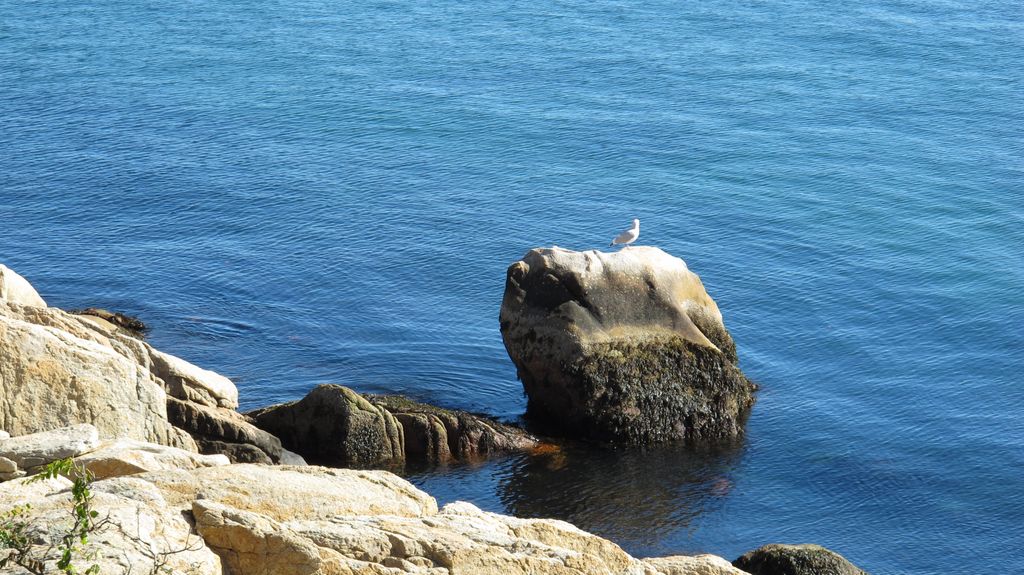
x,y
301,192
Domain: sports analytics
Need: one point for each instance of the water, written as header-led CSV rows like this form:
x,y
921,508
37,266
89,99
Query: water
x,y
305,192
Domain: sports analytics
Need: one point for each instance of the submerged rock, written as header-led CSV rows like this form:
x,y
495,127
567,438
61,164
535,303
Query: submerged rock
x,y
806,559
336,426
112,319
625,346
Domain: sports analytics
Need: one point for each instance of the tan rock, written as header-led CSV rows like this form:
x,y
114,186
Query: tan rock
x,y
284,493
624,346
252,544
465,540
137,535
190,382
8,465
15,289
58,370
695,565
36,449
129,457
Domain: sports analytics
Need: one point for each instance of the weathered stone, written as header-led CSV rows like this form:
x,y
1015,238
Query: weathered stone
x,y
436,435
4,435
189,382
129,457
58,370
16,289
219,430
465,540
806,559
251,544
624,346
36,449
138,531
696,565
334,425
284,493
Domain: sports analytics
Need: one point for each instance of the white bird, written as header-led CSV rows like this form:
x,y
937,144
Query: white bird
x,y
629,236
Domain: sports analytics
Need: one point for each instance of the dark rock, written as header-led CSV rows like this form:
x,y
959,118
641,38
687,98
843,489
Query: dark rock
x,y
334,426
804,559
220,430
133,325
436,435
623,346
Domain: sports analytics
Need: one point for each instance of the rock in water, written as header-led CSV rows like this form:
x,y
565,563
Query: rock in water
x,y
334,425
806,559
624,346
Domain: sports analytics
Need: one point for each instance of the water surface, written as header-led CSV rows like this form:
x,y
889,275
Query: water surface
x,y
306,192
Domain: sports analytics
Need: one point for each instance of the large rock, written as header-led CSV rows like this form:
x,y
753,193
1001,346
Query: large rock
x,y
57,370
15,289
138,531
129,457
623,346
284,493
437,436
219,430
186,381
334,425
463,540
806,559
251,544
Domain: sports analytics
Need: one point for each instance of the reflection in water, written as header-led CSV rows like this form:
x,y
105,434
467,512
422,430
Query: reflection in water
x,y
633,496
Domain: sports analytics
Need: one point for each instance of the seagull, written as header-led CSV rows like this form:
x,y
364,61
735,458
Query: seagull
x,y
629,236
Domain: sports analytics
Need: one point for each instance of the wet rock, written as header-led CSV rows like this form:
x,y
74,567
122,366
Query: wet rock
x,y
336,426
806,559
437,436
113,320
218,430
623,346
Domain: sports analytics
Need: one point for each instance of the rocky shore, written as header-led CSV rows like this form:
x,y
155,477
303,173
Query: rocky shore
x,y
168,477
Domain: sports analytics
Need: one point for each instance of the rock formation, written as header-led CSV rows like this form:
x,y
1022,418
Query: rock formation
x,y
806,559
334,425
60,369
434,435
262,520
81,388
623,346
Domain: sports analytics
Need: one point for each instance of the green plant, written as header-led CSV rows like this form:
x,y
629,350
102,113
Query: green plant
x,y
16,527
